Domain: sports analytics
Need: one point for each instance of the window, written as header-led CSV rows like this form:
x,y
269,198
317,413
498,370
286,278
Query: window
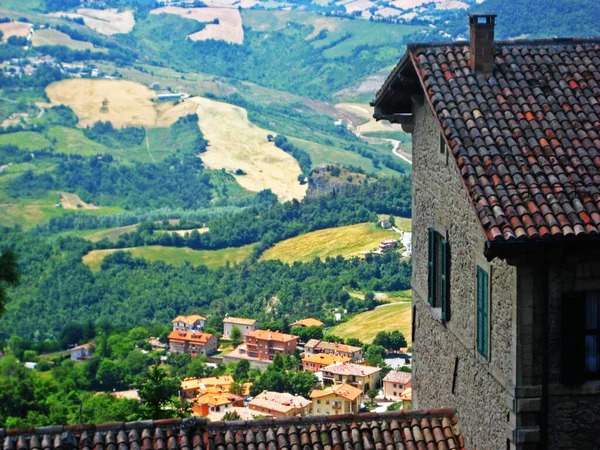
x,y
483,312
438,273
319,402
581,337
442,144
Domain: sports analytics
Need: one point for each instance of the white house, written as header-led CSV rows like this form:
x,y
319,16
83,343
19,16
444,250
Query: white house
x,y
244,325
195,322
80,352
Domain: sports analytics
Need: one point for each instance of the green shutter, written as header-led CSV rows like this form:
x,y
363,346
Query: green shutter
x,y
431,267
482,313
445,279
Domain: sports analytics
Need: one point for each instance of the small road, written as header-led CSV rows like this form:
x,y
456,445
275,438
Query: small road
x,y
148,147
8,100
399,153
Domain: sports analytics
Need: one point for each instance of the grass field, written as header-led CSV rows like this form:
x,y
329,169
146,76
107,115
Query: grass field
x,y
55,37
105,21
365,326
174,255
25,140
19,29
228,29
236,143
347,241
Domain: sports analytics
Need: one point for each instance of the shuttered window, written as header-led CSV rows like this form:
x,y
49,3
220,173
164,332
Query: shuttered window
x,y
581,337
438,273
483,313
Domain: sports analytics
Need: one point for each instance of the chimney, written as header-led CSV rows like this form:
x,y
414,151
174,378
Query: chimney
x,y
482,42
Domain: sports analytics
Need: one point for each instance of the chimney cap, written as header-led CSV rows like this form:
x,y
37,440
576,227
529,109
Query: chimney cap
x,y
482,14
490,18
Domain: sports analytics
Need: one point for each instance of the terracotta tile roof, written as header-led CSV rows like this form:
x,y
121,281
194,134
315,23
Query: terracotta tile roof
x,y
269,335
344,390
239,321
407,394
216,399
331,346
82,346
526,139
308,322
278,401
395,376
433,429
193,337
326,359
351,369
189,320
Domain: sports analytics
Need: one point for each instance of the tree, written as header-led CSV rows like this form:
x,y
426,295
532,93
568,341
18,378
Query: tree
x,y
397,341
236,336
9,275
372,393
231,415
158,393
375,355
354,342
241,370
383,339
302,383
237,388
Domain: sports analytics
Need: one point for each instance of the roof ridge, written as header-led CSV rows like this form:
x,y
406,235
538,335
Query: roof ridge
x,y
529,42
201,422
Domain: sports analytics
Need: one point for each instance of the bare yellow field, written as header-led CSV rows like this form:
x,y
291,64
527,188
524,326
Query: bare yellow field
x,y
55,37
72,201
183,232
19,29
105,21
236,143
228,29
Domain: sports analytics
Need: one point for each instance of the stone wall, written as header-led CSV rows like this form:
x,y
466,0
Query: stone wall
x,y
480,389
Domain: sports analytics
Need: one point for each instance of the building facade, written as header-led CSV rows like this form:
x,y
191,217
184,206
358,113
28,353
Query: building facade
x,y
316,346
244,325
505,236
395,383
193,343
361,377
278,404
194,322
336,399
264,344
316,362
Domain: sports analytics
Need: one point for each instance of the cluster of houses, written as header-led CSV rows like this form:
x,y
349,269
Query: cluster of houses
x,y
340,368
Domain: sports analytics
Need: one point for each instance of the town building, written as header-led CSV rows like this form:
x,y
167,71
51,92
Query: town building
x,y
243,412
193,343
264,344
244,325
278,404
316,346
387,245
308,322
194,322
395,383
215,402
316,362
81,352
194,387
394,429
336,399
362,377
506,233
406,399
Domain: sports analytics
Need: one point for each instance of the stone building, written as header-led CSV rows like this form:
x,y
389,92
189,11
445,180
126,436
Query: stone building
x,y
316,346
506,221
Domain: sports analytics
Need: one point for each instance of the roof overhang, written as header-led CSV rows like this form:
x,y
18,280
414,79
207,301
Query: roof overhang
x,y
542,249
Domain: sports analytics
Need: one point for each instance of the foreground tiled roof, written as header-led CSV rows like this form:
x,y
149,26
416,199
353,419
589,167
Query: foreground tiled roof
x,y
526,138
434,429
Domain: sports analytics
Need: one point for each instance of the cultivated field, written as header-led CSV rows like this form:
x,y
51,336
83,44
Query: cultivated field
x,y
19,29
236,143
72,201
365,326
55,37
112,234
228,29
347,241
105,21
365,112
183,232
174,255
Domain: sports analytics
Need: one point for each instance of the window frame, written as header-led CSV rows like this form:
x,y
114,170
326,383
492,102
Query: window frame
x,y
438,271
483,268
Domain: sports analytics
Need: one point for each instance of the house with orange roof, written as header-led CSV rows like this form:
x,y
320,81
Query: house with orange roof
x,y
362,377
314,346
215,402
278,404
395,383
195,322
308,322
336,399
406,398
316,362
244,325
81,352
264,344
192,342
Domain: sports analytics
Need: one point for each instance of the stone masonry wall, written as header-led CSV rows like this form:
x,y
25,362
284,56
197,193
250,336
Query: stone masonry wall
x,y
440,200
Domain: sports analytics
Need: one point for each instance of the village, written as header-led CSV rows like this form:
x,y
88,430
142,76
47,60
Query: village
x,y
344,382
